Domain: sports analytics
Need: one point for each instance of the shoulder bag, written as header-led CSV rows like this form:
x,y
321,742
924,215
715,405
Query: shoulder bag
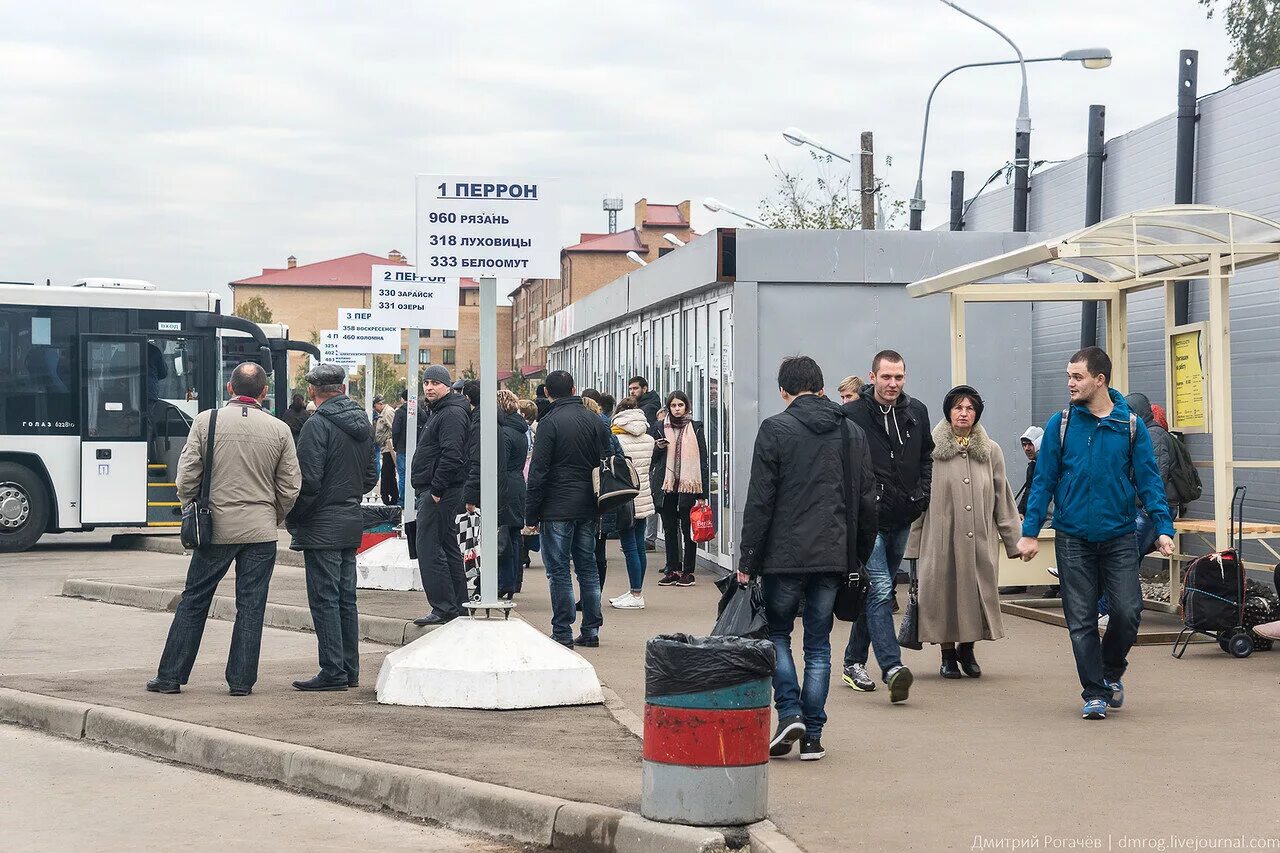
x,y
616,481
851,598
197,516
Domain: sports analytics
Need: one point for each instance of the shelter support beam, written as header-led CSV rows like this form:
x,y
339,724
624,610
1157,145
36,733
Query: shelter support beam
x,y
959,354
1220,401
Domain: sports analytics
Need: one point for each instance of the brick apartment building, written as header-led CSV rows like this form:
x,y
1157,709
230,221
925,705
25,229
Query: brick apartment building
x,y
307,299
594,261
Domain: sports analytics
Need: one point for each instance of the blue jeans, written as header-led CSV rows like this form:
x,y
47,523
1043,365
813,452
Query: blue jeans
x,y
561,542
254,564
1086,571
782,597
1147,535
400,473
633,549
331,593
875,628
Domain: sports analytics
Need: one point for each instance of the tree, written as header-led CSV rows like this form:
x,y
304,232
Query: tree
x,y
829,200
1254,29
300,376
256,310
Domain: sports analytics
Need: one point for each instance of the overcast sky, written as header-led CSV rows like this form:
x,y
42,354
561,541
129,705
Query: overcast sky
x,y
194,144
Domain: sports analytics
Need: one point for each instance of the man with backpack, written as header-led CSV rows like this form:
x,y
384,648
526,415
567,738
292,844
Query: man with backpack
x,y
1181,480
1095,462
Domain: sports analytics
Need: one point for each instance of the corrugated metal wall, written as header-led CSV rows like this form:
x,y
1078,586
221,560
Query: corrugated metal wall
x,y
1237,166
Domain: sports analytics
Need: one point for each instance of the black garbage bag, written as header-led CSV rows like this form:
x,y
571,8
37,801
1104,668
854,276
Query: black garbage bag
x,y
741,610
681,663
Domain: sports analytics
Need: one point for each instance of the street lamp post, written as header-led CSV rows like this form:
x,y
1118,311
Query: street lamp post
x,y
798,137
1092,58
717,206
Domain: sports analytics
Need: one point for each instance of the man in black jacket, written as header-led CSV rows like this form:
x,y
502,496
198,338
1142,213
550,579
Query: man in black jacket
x,y
439,471
335,453
647,401
898,431
799,532
399,439
561,503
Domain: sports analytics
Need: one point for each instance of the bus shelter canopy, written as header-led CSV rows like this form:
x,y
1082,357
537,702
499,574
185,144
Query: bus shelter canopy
x,y
1136,251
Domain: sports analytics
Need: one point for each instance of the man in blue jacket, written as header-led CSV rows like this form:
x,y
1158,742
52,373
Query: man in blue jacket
x,y
1095,466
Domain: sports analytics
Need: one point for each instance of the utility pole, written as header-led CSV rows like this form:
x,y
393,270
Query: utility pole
x,y
868,215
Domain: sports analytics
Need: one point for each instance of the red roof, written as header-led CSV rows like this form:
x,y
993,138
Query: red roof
x,y
665,214
349,271
623,241
527,370
504,375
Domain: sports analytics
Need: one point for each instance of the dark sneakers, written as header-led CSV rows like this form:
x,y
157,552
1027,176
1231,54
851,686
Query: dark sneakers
x,y
155,685
317,684
685,579
899,682
855,675
811,749
790,730
590,642
433,619
669,579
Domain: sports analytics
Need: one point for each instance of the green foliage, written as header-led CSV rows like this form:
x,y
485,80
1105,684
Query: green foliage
x,y
1254,29
830,199
300,375
256,310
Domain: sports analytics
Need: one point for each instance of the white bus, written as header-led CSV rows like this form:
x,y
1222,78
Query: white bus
x,y
98,387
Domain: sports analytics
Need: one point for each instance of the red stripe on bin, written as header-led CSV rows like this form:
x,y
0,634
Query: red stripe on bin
x,y
699,737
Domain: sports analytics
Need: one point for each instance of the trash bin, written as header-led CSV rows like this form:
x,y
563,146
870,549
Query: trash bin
x,y
706,730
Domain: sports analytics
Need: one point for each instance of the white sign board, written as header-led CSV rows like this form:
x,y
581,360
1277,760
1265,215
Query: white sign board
x,y
485,227
359,335
329,353
403,300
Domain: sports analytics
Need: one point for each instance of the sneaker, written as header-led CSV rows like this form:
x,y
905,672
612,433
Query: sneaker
x,y
855,675
1095,709
685,579
618,598
669,579
899,682
628,602
811,749
790,730
587,641
1117,694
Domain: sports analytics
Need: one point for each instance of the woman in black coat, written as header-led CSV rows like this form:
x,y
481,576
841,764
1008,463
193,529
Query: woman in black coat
x,y
515,434
680,479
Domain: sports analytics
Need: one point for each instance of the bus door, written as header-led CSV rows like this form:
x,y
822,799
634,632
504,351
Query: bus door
x,y
113,430
181,382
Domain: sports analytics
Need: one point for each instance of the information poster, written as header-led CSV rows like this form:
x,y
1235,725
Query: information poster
x,y
1188,381
330,354
401,299
359,334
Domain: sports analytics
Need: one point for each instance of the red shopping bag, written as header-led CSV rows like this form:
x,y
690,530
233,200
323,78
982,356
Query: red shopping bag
x,y
702,523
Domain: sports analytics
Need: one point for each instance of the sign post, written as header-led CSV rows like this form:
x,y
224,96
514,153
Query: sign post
x,y
487,227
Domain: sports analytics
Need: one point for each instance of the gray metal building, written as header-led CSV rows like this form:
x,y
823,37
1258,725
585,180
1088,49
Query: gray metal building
x,y
716,317
1237,165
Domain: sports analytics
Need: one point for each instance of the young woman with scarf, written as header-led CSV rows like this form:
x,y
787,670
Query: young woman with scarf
x,y
679,480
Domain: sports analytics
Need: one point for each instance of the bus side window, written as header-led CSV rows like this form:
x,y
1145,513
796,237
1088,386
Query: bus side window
x,y
38,393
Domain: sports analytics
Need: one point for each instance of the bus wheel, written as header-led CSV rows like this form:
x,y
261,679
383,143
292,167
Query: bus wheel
x,y
24,507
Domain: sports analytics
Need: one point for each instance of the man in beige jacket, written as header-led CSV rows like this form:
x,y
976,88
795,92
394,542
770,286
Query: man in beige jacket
x,y
255,484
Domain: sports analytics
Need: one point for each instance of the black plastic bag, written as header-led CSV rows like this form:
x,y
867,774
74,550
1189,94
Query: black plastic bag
x,y
741,611
681,663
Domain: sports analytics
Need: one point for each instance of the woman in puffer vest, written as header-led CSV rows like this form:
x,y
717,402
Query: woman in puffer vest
x,y
631,428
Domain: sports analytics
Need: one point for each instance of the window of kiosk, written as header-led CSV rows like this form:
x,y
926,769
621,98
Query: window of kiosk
x,y
38,393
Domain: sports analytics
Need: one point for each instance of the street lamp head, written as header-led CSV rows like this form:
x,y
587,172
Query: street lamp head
x,y
796,136
673,239
1090,57
637,259
714,205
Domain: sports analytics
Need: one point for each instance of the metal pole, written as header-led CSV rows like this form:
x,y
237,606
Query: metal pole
x,y
1185,161
1093,212
368,385
411,429
868,183
957,201
488,441
1021,182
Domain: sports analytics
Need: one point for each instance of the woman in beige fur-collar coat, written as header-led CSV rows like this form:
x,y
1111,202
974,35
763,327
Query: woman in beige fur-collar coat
x,y
971,509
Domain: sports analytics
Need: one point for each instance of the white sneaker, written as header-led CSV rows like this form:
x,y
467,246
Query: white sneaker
x,y
620,597
629,601
1104,621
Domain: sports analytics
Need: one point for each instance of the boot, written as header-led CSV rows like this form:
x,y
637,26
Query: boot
x,y
950,668
964,655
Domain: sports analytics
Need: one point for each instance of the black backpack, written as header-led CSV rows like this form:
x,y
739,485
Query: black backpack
x,y
1182,472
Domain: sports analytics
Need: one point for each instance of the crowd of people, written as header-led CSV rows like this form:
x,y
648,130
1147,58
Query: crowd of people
x,y
864,484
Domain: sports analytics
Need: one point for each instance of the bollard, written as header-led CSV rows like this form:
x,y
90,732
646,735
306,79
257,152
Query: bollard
x,y
706,751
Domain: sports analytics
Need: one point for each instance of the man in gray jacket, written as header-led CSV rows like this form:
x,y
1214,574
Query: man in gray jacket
x,y
335,453
254,484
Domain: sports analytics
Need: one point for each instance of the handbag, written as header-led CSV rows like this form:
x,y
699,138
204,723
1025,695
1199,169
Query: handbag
x,y
851,597
615,482
909,630
197,516
702,524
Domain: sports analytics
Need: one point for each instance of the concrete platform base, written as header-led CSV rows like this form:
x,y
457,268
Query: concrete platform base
x,y
387,566
487,663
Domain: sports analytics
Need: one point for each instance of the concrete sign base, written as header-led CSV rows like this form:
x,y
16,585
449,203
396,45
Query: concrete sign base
x,y
387,566
497,664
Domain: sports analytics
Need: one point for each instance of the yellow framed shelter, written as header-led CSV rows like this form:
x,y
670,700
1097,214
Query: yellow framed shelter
x,y
1128,254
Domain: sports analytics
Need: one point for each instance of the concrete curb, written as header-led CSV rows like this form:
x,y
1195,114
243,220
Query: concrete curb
x,y
378,629
171,544
450,800
767,838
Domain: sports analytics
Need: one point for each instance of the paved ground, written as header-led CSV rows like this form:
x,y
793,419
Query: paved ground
x,y
1002,757
60,795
